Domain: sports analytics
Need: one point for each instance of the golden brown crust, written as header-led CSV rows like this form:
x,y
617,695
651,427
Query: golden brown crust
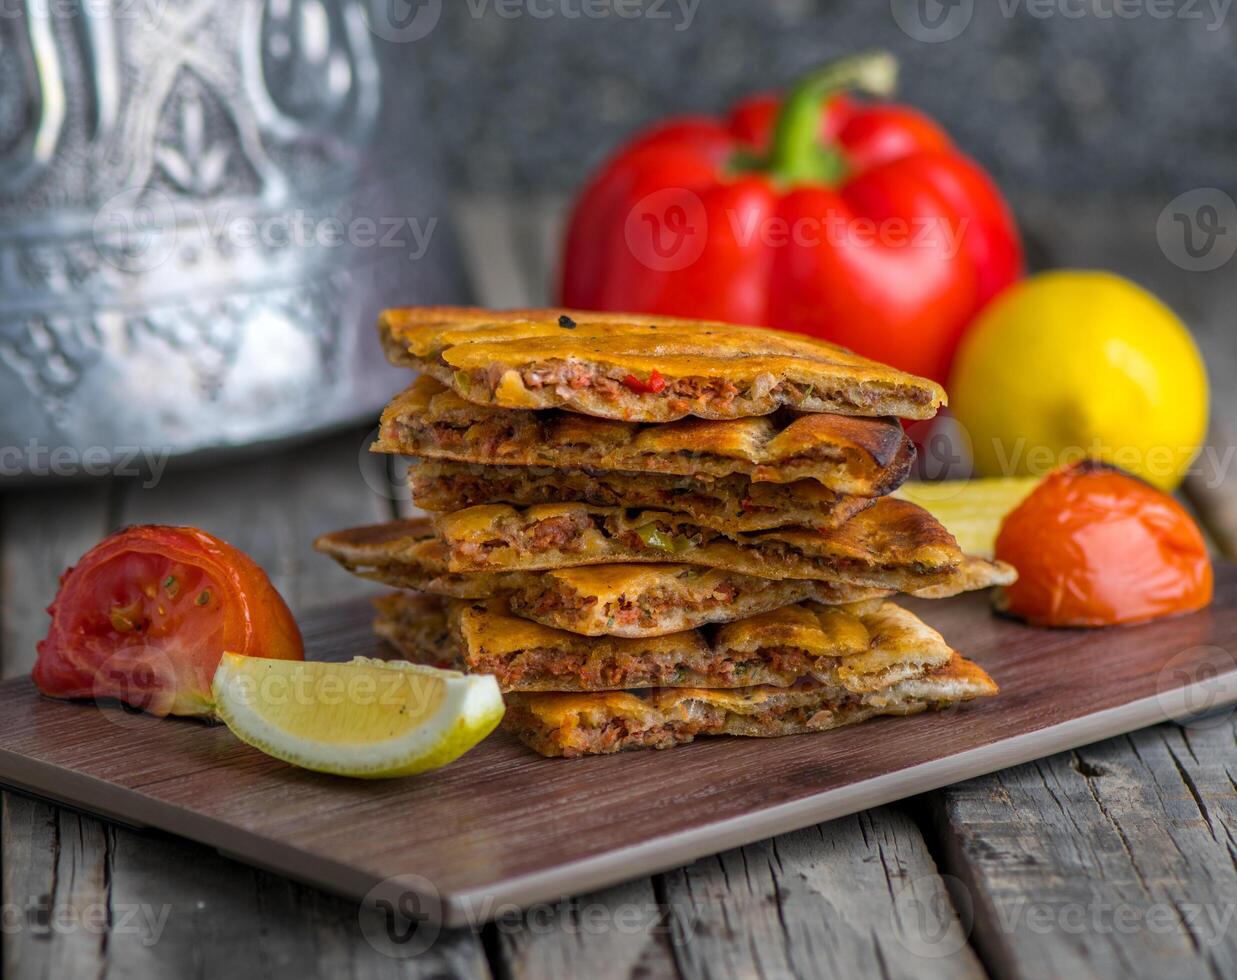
x,y
405,554
859,648
892,545
571,725
652,600
865,457
411,622
568,358
732,502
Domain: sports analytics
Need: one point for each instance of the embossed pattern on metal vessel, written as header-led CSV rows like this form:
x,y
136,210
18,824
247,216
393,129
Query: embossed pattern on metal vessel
x,y
199,219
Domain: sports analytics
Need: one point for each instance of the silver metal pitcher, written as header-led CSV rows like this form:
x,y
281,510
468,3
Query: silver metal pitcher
x,y
203,205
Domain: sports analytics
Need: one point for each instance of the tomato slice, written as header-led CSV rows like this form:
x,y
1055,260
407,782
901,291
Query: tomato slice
x,y
1095,547
146,614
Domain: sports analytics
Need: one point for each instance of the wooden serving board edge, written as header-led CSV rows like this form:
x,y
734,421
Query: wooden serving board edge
x,y
675,850
660,854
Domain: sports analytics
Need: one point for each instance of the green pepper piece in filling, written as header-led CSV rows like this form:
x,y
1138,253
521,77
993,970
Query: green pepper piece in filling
x,y
662,541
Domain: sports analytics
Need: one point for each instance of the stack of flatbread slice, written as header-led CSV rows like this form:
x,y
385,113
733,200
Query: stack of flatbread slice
x,y
650,529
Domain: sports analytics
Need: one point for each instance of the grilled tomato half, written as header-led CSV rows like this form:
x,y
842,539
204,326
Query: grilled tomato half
x,y
146,614
1095,546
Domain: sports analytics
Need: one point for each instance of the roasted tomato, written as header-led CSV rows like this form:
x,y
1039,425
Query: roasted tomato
x,y
146,614
1094,547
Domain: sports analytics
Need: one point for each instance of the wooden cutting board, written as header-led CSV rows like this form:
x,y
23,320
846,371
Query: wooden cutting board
x,y
503,826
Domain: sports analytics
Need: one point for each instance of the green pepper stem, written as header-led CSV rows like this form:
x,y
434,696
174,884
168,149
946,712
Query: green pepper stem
x,y
797,155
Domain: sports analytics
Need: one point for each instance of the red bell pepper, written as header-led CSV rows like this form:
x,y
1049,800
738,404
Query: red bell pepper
x,y
855,221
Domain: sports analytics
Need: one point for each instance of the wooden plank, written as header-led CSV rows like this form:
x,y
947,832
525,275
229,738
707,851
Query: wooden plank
x,y
49,856
475,831
616,933
42,532
55,891
855,897
85,899
1116,859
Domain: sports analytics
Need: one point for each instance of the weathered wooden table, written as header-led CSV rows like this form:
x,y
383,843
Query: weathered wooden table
x,y
1116,859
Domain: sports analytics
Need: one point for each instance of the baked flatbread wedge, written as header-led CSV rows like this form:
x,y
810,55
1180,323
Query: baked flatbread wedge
x,y
892,545
860,647
640,599
731,502
416,626
642,367
653,600
407,555
866,457
573,725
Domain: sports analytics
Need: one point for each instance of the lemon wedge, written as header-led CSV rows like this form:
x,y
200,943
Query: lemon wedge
x,y
368,718
971,510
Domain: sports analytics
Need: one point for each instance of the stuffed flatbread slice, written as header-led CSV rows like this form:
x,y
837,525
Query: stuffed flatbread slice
x,y
642,367
859,648
891,545
405,554
866,457
732,502
573,725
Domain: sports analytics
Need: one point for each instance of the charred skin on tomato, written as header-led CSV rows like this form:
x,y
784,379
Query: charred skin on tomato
x,y
1094,546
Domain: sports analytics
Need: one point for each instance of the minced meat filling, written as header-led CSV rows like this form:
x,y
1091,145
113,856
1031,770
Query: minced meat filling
x,y
645,609
702,718
727,668
576,375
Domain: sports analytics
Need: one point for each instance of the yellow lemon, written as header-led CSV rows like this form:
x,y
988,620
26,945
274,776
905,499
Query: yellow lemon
x,y
1075,364
366,718
970,510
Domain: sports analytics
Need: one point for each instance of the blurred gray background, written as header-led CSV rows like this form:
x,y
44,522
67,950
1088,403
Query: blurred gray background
x,y
1062,97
